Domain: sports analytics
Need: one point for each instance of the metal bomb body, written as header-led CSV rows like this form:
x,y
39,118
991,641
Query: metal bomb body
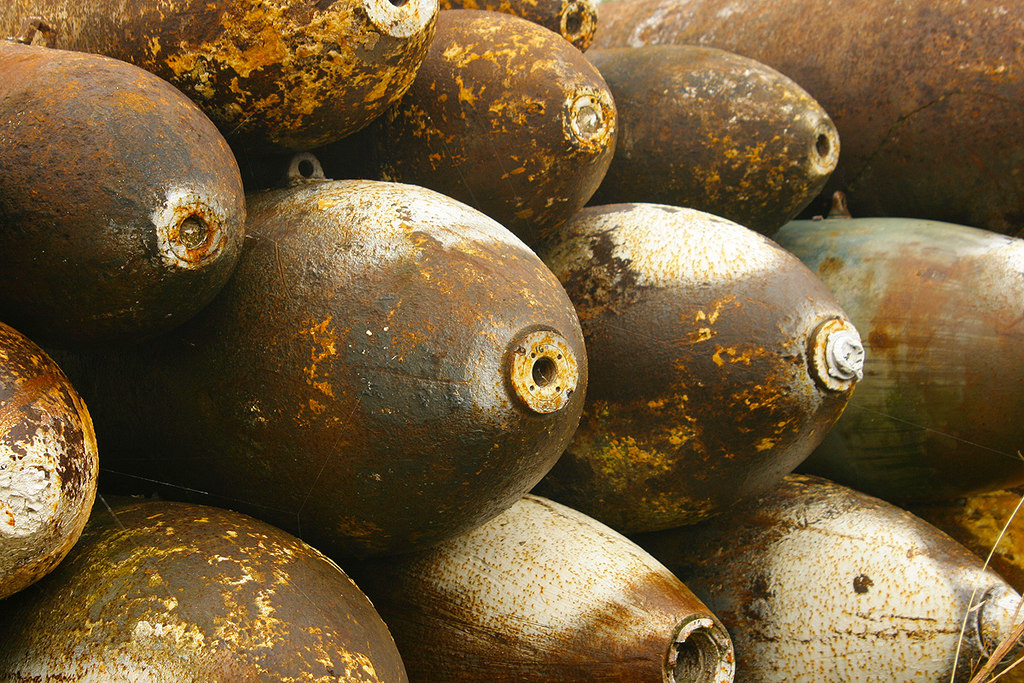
x,y
121,206
388,368
544,593
817,582
48,463
171,592
574,20
718,362
505,116
925,94
940,413
713,131
292,74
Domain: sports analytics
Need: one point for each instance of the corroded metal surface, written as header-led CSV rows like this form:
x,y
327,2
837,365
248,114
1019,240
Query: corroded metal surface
x,y
505,116
985,523
168,592
710,130
926,94
353,383
701,335
939,413
290,73
121,206
48,463
544,593
574,20
817,582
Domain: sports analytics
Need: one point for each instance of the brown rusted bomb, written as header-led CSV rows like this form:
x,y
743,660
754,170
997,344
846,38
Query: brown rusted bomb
x,y
714,131
162,591
292,74
926,94
718,362
985,523
505,116
574,20
48,463
817,582
544,593
940,413
121,206
388,368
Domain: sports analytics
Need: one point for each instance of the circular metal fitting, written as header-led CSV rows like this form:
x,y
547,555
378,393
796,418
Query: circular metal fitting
x,y
701,653
543,371
590,119
188,231
836,355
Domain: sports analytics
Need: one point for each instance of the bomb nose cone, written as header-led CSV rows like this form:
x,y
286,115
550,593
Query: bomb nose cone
x,y
1000,612
701,653
824,153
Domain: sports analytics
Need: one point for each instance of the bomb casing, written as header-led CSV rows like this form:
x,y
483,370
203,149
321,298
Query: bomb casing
x,y
817,582
121,206
48,463
938,415
544,593
574,20
718,362
713,131
163,591
389,368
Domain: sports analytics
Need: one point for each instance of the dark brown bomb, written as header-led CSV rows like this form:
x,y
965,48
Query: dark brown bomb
x,y
710,130
293,74
718,362
926,94
940,414
818,582
48,463
505,116
542,593
388,368
121,206
574,20
173,592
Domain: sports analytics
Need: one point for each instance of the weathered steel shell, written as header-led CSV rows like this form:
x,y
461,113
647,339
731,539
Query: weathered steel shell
x,y
544,593
574,20
121,206
505,116
360,381
169,592
817,582
48,463
714,131
292,74
926,94
714,366
984,523
940,413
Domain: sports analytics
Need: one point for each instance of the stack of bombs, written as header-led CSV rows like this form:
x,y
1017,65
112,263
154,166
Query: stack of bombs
x,y
372,340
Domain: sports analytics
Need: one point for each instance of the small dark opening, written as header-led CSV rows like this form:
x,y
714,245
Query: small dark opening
x,y
398,3
306,168
823,145
192,233
544,370
574,21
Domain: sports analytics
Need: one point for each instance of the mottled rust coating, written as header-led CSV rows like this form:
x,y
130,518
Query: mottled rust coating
x,y
48,463
700,334
926,94
710,130
169,592
353,381
817,582
940,412
544,594
574,20
288,73
978,522
505,116
121,206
